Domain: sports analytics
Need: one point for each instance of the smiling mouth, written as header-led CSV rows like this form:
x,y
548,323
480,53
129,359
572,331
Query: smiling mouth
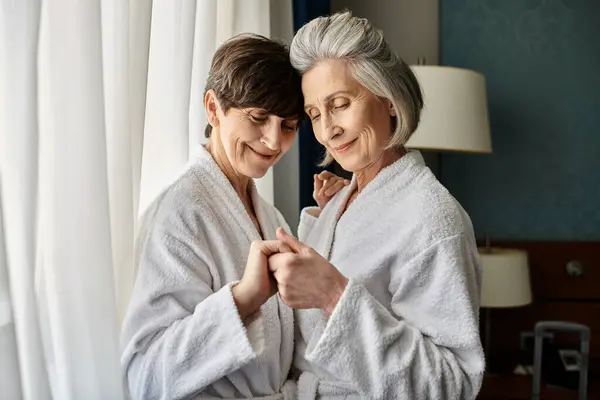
x,y
345,146
265,156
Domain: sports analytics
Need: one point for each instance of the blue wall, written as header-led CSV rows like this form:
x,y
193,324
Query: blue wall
x,y
541,59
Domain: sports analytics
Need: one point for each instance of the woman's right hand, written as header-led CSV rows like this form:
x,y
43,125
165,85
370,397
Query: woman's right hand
x,y
257,284
326,185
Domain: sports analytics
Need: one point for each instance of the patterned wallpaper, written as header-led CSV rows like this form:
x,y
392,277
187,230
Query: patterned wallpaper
x,y
541,59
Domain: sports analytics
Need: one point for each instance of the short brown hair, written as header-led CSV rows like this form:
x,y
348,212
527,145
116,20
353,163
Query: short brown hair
x,y
250,70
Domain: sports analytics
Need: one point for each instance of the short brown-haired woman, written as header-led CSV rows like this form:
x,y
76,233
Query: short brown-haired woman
x,y
199,323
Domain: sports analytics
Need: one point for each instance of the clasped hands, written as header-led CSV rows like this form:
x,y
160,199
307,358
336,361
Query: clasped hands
x,y
302,277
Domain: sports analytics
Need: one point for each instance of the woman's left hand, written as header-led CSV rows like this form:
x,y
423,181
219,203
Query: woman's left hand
x,y
304,278
326,185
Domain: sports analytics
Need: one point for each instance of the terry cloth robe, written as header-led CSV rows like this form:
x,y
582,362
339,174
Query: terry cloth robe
x,y
406,326
182,336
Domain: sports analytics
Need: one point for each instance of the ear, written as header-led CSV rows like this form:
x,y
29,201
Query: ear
x,y
391,108
211,105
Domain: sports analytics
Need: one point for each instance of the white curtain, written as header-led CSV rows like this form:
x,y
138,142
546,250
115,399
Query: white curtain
x,y
100,106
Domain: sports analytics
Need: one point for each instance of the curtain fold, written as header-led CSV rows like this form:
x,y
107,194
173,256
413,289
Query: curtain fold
x,y
75,259
19,26
119,115
166,132
101,103
9,361
205,42
140,17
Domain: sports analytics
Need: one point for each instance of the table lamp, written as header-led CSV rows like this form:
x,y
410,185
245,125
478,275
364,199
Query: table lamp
x,y
505,282
455,113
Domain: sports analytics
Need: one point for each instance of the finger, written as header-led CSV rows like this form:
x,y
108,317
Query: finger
x,y
331,182
270,247
328,183
288,239
278,260
284,248
346,182
274,263
321,193
318,184
335,188
325,175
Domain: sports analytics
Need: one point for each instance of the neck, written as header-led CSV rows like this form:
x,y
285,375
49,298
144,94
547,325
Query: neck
x,y
367,174
240,183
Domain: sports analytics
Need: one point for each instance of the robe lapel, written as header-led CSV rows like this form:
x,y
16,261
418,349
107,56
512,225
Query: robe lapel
x,y
327,233
226,197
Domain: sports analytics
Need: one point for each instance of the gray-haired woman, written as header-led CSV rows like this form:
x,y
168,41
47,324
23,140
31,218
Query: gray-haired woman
x,y
387,274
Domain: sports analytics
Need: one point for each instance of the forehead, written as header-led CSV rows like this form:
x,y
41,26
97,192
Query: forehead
x,y
259,112
326,77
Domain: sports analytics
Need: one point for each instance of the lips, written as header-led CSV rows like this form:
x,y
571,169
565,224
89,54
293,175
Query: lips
x,y
264,155
345,146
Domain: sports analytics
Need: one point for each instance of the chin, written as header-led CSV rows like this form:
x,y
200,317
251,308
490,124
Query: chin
x,y
255,172
349,164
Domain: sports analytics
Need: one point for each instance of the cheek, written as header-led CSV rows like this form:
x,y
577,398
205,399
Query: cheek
x,y
316,127
233,142
354,121
377,123
227,138
287,140
245,132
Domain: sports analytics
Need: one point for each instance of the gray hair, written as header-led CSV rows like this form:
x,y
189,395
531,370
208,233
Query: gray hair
x,y
371,62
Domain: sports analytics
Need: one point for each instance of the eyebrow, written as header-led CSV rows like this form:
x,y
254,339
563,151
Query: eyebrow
x,y
327,98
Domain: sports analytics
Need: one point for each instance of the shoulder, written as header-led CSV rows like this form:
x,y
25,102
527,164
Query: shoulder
x,y
440,229
434,213
179,207
439,207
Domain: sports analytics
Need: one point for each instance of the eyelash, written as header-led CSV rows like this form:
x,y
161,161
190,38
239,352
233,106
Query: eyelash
x,y
342,107
257,119
263,120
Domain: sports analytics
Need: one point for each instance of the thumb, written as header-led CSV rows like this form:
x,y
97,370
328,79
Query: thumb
x,y
288,239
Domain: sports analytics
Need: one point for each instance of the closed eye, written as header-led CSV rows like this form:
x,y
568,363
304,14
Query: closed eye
x,y
258,120
290,127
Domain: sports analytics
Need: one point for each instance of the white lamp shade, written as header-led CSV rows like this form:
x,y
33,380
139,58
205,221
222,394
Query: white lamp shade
x,y
505,278
455,113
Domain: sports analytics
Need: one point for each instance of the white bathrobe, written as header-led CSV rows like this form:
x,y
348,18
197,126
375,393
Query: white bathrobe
x,y
406,326
182,336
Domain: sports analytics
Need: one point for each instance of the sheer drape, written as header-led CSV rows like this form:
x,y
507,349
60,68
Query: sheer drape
x,y
100,106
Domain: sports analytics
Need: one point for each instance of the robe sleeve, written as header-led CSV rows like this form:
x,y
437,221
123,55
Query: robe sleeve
x,y
308,217
427,346
179,335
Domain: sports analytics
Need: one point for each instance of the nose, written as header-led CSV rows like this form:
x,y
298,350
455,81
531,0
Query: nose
x,y
329,130
272,137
